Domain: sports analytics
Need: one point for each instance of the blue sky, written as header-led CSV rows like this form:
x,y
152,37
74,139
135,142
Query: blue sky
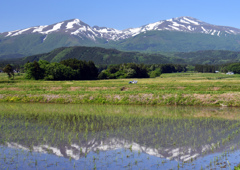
x,y
20,14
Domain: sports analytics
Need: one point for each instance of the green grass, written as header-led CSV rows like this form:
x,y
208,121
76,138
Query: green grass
x,y
237,167
169,89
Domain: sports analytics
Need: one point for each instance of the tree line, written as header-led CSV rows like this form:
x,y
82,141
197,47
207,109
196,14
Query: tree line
x,y
74,69
133,70
206,68
230,67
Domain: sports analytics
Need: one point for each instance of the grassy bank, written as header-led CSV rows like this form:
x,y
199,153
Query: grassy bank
x,y
198,89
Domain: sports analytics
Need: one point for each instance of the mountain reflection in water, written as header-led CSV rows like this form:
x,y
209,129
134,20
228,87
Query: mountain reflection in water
x,y
180,134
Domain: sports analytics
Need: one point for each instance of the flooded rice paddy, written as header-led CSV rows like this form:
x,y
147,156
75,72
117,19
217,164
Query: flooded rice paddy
x,y
54,136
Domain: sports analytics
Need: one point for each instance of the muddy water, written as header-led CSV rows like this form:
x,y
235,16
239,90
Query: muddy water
x,y
39,136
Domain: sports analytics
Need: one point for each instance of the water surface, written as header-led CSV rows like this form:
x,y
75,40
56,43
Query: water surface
x,y
53,136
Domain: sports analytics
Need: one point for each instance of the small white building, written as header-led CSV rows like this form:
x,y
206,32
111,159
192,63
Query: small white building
x,y
230,73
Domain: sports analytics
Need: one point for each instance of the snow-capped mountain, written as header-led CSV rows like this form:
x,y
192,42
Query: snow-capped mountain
x,y
186,24
81,29
182,34
72,27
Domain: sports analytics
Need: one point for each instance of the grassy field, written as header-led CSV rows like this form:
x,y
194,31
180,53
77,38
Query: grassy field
x,y
198,89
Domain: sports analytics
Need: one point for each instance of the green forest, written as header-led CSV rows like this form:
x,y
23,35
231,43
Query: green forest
x,y
71,69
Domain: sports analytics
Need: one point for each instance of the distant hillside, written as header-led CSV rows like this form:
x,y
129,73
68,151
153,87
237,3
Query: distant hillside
x,y
99,56
102,56
210,57
112,56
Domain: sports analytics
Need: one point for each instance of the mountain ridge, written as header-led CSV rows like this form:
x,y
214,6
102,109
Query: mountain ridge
x,y
78,27
181,34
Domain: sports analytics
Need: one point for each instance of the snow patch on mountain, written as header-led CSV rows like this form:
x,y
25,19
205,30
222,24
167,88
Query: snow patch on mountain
x,y
55,28
183,21
204,29
176,28
71,24
189,20
39,29
45,38
20,32
213,33
153,26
